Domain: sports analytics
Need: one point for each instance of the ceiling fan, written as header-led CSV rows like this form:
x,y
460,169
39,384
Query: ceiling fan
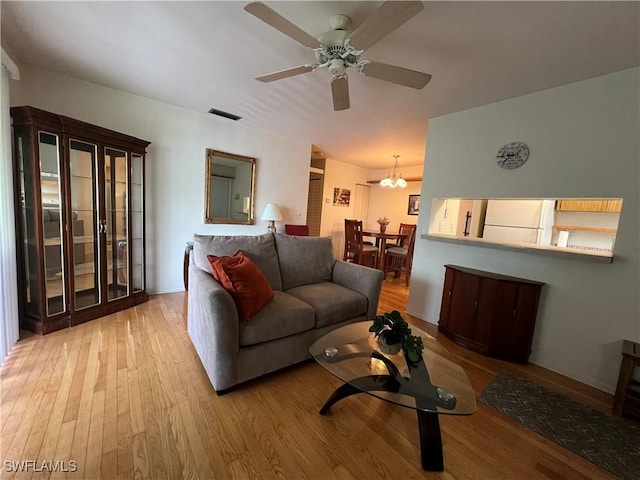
x,y
337,50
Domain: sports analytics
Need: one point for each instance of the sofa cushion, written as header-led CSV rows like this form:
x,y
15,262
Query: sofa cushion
x,y
244,281
331,302
283,316
259,248
304,260
53,214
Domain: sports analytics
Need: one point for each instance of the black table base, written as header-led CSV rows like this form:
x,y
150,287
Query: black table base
x,y
428,424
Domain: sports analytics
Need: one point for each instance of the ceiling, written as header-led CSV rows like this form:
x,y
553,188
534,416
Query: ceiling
x,y
202,55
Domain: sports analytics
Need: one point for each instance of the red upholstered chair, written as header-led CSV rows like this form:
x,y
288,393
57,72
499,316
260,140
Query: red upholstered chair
x,y
299,230
354,249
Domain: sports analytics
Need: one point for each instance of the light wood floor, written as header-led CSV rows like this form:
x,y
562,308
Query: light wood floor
x,y
125,396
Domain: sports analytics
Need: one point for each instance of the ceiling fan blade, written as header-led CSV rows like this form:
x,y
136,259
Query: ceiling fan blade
x,y
382,22
280,23
394,74
290,72
340,93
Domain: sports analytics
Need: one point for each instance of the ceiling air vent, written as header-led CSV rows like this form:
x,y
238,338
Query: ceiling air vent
x,y
220,113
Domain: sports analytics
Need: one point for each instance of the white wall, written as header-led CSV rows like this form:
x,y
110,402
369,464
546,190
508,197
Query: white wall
x,y
584,142
393,202
341,175
176,162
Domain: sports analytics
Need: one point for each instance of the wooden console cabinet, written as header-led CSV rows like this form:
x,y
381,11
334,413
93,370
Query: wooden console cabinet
x,y
489,313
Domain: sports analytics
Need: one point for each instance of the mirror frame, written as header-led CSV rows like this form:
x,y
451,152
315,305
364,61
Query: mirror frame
x,y
231,156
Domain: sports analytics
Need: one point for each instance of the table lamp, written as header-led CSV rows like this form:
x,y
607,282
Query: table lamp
x,y
272,215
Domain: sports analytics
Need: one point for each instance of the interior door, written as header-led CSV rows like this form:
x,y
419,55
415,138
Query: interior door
x,y
314,203
220,197
361,203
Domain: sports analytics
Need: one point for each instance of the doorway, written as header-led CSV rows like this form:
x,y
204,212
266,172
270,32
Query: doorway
x,y
361,203
316,189
314,203
220,202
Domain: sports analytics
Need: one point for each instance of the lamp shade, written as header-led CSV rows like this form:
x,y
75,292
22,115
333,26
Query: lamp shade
x,y
272,213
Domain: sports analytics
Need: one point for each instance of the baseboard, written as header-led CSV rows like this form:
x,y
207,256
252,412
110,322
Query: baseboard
x,y
610,389
419,316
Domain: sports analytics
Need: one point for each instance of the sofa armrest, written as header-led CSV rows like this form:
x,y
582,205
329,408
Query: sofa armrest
x,y
214,328
364,280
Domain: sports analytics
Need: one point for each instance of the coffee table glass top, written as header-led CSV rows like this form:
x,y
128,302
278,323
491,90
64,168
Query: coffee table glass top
x,y
435,384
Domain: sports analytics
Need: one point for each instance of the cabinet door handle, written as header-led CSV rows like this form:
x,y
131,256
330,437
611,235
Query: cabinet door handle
x,y
475,305
514,312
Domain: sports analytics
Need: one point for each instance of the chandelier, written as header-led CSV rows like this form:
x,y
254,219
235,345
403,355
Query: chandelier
x,y
393,180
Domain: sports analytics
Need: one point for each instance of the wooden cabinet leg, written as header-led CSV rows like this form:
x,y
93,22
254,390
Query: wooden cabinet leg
x,y
626,370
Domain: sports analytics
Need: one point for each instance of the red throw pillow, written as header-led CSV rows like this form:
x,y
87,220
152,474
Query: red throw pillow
x,y
244,281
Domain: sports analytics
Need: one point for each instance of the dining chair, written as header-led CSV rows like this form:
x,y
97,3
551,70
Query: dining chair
x,y
354,249
406,229
298,230
400,259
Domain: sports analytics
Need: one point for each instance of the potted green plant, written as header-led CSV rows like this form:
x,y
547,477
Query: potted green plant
x,y
394,333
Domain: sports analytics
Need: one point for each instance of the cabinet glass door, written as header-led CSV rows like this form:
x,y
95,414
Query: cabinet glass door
x,y
116,188
52,227
137,222
28,210
84,224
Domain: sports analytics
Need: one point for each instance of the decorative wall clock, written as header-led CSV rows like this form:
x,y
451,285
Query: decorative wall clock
x,y
512,155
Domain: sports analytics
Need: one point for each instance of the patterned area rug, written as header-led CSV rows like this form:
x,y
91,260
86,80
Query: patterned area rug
x,y
605,441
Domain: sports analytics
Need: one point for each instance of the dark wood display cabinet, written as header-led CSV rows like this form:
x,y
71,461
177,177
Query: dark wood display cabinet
x,y
79,219
489,313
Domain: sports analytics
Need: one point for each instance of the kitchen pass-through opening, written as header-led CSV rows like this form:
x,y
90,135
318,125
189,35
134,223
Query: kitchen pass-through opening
x,y
580,224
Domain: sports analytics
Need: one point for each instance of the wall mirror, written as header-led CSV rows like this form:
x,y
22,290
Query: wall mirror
x,y
229,191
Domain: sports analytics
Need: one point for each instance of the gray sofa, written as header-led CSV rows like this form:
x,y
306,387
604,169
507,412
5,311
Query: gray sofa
x,y
313,294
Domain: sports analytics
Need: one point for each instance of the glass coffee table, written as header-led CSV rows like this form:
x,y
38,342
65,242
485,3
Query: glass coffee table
x,y
435,385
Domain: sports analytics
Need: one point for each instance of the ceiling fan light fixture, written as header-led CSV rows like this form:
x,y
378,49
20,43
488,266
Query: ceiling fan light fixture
x,y
337,67
393,180
386,181
337,49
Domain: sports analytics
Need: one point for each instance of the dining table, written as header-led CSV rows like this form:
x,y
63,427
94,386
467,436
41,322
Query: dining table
x,y
381,242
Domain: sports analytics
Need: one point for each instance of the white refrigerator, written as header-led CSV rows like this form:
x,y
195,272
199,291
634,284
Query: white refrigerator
x,y
519,221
